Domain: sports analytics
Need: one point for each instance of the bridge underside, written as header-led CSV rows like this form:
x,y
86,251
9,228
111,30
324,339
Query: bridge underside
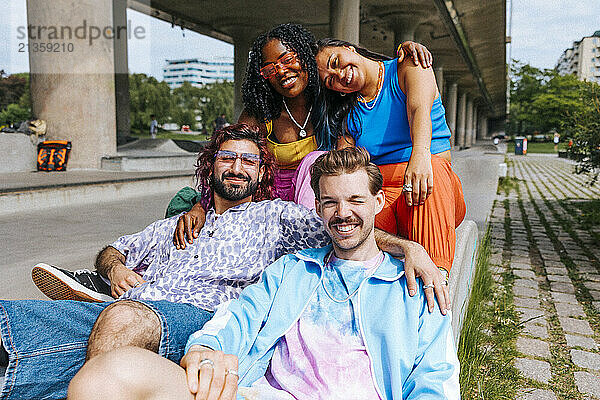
x,y
466,37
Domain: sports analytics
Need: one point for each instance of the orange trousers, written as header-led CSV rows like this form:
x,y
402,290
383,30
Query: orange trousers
x,y
432,224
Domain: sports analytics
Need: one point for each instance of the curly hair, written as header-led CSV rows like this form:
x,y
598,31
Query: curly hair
x,y
206,159
260,99
334,107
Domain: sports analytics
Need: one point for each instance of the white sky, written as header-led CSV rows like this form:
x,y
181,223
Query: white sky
x,y
541,30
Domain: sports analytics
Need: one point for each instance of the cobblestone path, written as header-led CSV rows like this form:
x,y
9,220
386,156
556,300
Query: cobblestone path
x,y
552,267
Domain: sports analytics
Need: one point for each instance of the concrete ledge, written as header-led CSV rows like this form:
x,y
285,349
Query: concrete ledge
x,y
19,152
168,162
461,274
86,193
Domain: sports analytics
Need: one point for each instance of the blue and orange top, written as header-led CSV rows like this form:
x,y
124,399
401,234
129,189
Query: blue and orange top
x,y
381,125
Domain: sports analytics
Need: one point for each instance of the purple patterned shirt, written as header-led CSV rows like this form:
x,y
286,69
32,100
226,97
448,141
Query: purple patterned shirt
x,y
229,254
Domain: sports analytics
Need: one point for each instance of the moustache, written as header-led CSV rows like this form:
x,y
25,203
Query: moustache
x,y
338,220
236,176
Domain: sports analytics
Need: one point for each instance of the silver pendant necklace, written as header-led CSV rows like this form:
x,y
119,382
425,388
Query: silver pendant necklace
x,y
331,296
302,132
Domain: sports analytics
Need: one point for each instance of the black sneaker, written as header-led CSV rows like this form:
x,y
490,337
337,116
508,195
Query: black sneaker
x,y
61,284
3,357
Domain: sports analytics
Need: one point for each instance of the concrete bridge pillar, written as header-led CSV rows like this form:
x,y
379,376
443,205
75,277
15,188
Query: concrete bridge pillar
x,y
469,122
344,20
122,99
404,29
475,129
483,124
461,119
439,78
243,37
451,103
475,124
73,86
403,23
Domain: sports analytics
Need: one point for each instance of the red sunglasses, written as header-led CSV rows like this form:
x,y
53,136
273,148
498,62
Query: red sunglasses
x,y
282,62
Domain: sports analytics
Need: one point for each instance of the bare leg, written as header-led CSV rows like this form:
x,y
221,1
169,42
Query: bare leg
x,y
124,323
129,373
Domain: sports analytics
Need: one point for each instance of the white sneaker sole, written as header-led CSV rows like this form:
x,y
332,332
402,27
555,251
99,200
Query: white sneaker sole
x,y
58,286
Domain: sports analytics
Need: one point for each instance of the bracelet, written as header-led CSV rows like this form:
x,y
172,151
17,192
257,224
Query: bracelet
x,y
400,49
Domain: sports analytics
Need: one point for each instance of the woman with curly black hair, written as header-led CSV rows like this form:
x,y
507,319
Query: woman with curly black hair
x,y
279,92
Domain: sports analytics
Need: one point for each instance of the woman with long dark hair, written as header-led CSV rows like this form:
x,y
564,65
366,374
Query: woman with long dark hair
x,y
394,110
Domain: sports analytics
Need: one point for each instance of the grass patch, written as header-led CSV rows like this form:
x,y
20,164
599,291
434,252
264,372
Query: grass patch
x,y
485,349
506,184
534,147
590,213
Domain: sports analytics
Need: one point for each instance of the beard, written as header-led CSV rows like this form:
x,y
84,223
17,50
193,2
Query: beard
x,y
233,192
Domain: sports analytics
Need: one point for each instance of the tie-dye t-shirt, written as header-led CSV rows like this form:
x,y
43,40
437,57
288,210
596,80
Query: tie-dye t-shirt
x,y
323,355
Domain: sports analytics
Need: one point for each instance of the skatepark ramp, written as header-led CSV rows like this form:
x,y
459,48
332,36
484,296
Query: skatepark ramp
x,y
153,155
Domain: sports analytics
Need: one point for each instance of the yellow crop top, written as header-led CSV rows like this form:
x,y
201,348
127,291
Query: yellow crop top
x,y
289,155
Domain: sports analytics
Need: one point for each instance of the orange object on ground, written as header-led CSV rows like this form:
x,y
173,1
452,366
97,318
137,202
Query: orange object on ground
x,y
53,155
432,224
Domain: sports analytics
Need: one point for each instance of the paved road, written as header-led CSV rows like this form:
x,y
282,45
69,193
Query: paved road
x,y
552,266
69,237
478,172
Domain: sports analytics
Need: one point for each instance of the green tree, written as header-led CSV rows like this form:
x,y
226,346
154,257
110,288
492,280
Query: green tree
x,y
583,128
187,103
540,99
526,83
15,100
148,96
14,113
543,100
217,99
561,98
12,87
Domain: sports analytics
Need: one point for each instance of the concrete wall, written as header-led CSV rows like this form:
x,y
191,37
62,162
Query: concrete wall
x,y
19,152
93,194
461,274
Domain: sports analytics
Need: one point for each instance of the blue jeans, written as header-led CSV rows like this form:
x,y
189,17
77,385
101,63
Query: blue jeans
x,y
46,341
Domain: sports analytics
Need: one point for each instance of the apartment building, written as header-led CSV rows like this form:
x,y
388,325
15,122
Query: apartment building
x,y
583,59
198,71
